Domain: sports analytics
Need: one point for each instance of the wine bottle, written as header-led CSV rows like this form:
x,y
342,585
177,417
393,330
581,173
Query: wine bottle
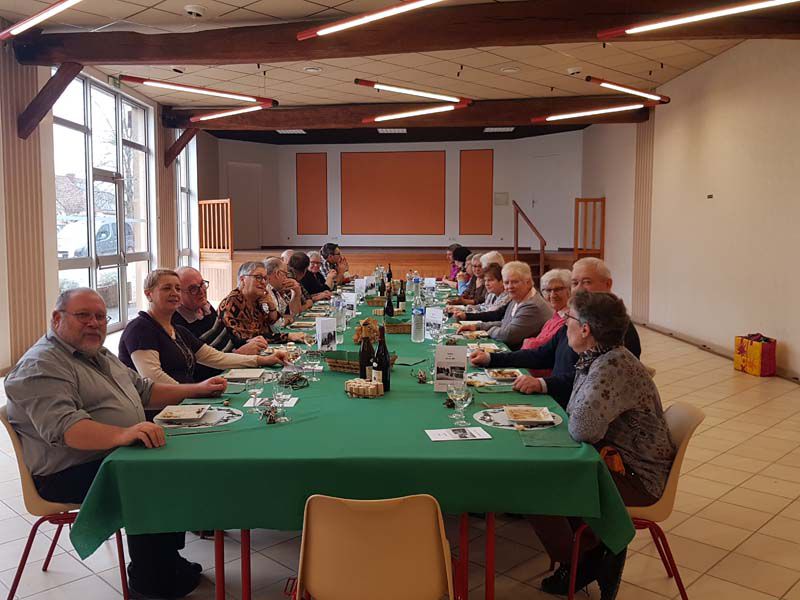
x,y
383,363
381,287
365,356
401,296
389,274
388,310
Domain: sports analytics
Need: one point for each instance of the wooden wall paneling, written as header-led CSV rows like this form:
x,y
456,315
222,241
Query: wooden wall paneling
x,y
642,219
475,192
311,185
166,199
393,193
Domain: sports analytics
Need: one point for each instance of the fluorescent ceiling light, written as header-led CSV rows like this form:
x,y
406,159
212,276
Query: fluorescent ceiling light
x,y
627,90
694,17
365,18
290,131
396,130
415,113
409,91
191,89
498,129
587,113
226,113
34,20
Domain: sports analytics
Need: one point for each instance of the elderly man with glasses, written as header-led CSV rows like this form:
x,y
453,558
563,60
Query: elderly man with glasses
x,y
251,309
72,402
196,314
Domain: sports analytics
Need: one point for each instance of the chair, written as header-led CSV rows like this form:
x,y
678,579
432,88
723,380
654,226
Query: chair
x,y
49,512
393,549
682,419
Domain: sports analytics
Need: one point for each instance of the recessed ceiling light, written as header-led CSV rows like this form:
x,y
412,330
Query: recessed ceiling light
x,y
509,69
290,131
312,69
396,130
498,129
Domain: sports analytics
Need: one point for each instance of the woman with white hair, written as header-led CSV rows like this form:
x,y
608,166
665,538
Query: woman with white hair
x,y
555,287
493,256
523,317
475,292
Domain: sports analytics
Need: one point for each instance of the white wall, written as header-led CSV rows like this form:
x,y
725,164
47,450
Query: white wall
x,y
545,170
728,265
609,168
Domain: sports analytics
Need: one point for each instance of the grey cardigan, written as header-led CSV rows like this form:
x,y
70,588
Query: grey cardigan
x,y
521,320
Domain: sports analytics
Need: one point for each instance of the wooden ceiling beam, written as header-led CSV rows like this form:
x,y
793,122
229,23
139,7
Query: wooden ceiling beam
x,y
29,119
482,113
528,22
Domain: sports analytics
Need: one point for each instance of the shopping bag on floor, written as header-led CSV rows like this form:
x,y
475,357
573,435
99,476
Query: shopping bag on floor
x,y
755,354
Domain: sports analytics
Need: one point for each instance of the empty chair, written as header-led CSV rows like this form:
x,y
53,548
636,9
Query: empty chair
x,y
49,512
393,549
682,419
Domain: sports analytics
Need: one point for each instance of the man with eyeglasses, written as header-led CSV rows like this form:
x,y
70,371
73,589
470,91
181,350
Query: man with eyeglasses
x,y
196,314
72,402
334,263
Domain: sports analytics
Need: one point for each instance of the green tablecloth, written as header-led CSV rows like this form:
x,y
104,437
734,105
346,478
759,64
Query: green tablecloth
x,y
259,476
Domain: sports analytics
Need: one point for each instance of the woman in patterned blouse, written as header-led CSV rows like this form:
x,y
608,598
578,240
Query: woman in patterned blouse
x,y
614,406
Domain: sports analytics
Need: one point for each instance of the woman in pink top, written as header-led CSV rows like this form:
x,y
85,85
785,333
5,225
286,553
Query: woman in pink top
x,y
555,286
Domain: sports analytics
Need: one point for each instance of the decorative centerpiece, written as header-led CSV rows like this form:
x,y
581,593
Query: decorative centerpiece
x,y
367,328
363,388
343,361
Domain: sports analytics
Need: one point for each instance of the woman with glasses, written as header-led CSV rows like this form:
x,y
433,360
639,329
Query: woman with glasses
x,y
167,353
313,280
555,287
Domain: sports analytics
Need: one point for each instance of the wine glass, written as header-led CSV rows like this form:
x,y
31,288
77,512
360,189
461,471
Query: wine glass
x,y
313,365
458,393
253,387
281,392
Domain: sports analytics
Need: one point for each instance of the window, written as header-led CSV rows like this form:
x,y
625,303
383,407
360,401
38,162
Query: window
x,y
102,167
186,205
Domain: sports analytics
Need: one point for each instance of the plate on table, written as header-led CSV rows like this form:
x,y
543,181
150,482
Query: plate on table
x,y
484,347
529,415
470,322
302,325
475,335
496,417
182,414
504,374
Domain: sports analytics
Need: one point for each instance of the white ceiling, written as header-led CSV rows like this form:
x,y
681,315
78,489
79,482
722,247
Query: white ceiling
x,y
472,72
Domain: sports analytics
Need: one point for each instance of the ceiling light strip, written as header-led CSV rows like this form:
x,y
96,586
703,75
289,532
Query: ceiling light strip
x,y
415,113
34,20
228,113
627,90
693,17
365,18
191,89
590,113
409,91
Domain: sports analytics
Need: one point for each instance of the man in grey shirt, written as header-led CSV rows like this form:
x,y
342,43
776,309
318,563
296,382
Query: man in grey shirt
x,y
72,402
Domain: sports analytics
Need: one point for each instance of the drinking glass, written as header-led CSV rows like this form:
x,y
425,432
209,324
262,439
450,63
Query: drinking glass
x,y
313,364
253,387
339,334
281,392
460,396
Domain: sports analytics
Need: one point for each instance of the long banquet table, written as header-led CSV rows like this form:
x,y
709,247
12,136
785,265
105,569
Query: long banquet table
x,y
257,476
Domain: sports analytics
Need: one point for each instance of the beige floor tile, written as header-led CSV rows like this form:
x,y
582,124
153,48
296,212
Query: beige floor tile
x,y
728,434
648,572
531,570
757,574
628,591
738,516
709,532
790,460
771,485
701,454
782,527
721,474
768,454
792,511
771,443
689,464
689,553
740,463
703,487
263,538
64,570
507,554
691,503
506,588
751,428
520,531
772,550
89,588
711,587
780,432
676,518
755,499
782,472
712,443
794,593
264,572
286,553
10,552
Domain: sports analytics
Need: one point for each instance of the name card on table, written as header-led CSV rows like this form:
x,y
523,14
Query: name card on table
x,y
434,321
430,284
326,334
350,300
360,287
451,366
371,287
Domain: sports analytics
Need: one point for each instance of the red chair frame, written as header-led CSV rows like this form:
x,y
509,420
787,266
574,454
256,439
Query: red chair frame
x,y
61,519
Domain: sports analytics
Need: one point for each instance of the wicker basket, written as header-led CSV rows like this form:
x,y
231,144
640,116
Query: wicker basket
x,y
347,362
376,301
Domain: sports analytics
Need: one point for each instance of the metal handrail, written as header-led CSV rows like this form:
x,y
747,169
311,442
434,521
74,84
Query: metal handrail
x,y
542,242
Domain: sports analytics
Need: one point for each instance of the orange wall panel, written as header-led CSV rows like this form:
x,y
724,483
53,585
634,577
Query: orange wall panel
x,y
475,195
393,193
311,171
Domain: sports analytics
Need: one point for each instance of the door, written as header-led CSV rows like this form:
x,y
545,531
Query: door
x,y
244,190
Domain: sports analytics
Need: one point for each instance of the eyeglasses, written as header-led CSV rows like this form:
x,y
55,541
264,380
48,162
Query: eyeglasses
x,y
86,317
569,316
258,278
195,289
554,290
316,262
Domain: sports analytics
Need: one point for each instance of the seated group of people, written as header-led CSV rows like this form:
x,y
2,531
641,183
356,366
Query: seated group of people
x,y
72,401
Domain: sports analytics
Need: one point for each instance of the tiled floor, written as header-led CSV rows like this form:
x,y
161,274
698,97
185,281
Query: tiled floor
x,y
735,531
